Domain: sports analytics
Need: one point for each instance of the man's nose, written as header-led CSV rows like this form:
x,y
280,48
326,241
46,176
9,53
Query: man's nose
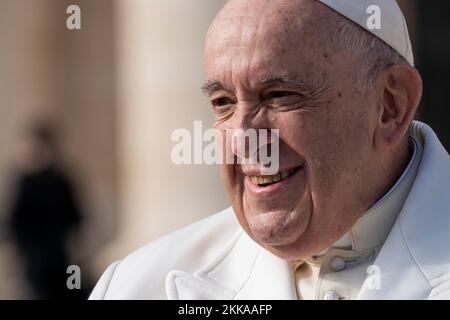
x,y
246,127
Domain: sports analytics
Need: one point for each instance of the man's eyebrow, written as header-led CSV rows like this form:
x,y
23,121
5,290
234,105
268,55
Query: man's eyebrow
x,y
310,88
214,85
211,86
285,80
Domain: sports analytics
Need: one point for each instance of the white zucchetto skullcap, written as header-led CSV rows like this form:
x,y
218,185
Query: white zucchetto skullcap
x,y
393,29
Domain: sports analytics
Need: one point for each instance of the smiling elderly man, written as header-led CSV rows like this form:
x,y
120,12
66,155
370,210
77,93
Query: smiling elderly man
x,y
363,211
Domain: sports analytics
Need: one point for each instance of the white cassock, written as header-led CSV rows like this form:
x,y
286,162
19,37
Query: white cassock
x,y
399,249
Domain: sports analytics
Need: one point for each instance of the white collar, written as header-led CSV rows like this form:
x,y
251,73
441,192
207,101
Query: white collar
x,y
372,229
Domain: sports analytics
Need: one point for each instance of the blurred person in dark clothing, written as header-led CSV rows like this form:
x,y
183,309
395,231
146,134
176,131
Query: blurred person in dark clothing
x,y
44,211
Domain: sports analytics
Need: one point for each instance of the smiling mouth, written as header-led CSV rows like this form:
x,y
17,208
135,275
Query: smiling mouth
x,y
264,181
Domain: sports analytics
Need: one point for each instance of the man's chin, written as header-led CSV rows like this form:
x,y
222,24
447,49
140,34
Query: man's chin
x,y
275,243
270,229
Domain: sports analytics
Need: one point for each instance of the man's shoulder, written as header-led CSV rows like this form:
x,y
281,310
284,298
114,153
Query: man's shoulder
x,y
141,275
206,234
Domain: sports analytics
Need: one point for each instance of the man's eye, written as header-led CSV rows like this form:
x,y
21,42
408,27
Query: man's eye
x,y
283,98
223,107
279,94
222,102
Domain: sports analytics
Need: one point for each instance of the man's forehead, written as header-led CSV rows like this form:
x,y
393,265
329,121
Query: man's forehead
x,y
244,47
263,8
264,16
278,25
277,60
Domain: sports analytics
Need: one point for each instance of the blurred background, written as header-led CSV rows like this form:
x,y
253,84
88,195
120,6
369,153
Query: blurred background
x,y
85,123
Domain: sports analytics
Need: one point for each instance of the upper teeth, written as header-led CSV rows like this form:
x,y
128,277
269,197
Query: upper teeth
x,y
273,178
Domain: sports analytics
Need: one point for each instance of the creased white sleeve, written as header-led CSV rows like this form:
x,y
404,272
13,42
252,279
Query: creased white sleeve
x,y
101,288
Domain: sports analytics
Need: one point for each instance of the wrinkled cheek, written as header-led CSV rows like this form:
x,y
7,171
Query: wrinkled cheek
x,y
320,167
233,182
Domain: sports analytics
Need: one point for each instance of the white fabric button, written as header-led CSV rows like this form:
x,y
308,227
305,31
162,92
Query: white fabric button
x,y
331,296
338,264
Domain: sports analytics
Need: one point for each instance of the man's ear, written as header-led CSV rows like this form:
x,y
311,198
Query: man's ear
x,y
400,88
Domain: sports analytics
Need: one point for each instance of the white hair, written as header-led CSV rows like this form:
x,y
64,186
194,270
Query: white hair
x,y
373,54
